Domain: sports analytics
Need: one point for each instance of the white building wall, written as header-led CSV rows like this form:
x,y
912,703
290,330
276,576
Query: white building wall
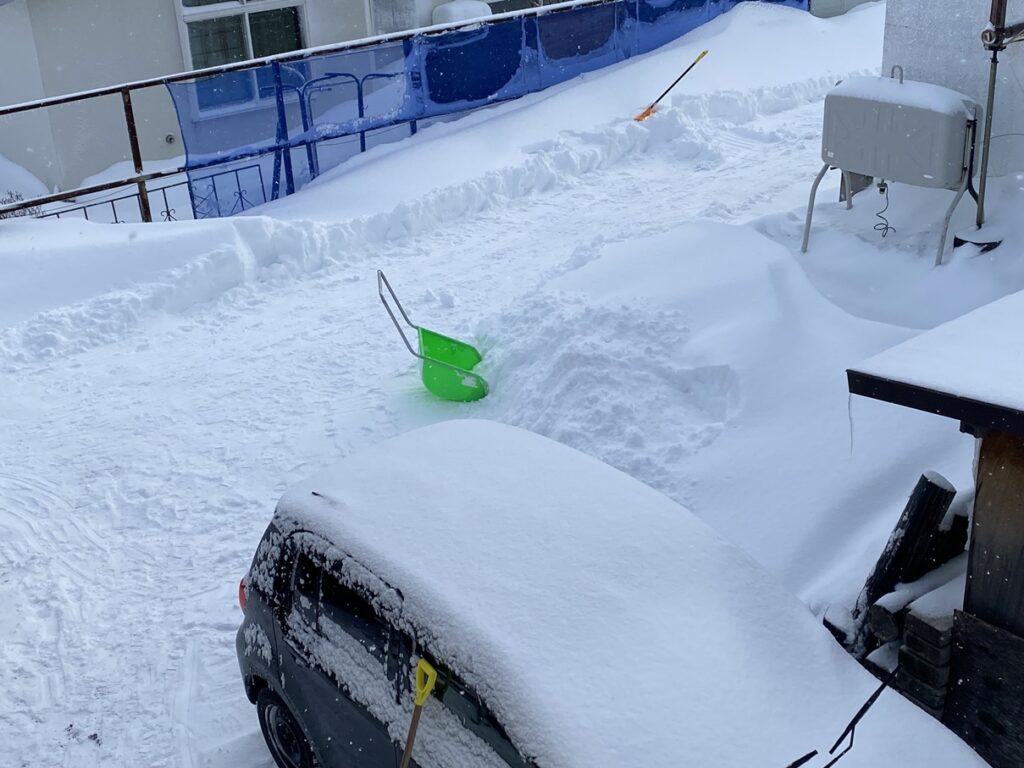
x,y
25,139
939,41
335,21
94,43
828,8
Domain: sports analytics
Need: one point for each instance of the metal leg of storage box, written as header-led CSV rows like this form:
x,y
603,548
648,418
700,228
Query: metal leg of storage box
x,y
849,204
949,217
810,206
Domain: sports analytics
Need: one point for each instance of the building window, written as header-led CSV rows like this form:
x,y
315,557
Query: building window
x,y
220,32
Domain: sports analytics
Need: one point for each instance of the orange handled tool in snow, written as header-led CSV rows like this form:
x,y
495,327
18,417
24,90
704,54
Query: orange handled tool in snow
x,y
650,110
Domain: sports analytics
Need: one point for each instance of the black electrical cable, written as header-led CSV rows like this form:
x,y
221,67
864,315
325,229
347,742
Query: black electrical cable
x,y
803,760
883,226
970,162
851,726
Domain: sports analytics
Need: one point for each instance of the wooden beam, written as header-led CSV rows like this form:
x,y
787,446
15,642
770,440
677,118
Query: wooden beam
x,y
976,414
906,556
995,571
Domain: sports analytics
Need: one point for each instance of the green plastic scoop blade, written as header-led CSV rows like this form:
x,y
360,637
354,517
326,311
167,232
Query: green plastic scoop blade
x,y
447,367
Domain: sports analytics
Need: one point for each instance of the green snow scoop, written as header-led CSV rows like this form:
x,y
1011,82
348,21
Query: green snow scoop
x,y
447,364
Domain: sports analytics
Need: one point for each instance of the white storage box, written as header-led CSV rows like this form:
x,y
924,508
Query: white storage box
x,y
909,132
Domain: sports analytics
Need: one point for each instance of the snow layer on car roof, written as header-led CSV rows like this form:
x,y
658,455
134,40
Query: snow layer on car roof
x,y
602,622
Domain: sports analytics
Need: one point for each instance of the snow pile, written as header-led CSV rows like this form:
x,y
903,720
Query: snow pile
x,y
73,286
893,279
78,286
604,624
14,178
681,358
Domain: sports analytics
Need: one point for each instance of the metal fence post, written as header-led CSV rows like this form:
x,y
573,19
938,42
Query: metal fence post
x,y
133,139
282,131
362,113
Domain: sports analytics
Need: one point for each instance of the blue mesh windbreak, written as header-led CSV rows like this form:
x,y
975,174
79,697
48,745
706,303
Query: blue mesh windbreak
x,y
259,134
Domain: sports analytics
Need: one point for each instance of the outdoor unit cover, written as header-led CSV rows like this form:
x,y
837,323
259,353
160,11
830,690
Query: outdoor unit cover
x,y
914,133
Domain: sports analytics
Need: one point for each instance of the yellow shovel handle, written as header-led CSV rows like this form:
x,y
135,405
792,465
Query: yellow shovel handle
x,y
426,679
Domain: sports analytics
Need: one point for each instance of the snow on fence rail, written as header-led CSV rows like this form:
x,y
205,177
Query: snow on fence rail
x,y
272,125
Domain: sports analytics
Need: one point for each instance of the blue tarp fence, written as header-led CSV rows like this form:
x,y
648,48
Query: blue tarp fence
x,y
258,134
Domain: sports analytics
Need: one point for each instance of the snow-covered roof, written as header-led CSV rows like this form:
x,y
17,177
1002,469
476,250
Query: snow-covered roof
x,y
601,621
970,368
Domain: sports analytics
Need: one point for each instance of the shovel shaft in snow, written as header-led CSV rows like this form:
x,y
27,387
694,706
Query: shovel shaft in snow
x,y
411,738
426,679
650,110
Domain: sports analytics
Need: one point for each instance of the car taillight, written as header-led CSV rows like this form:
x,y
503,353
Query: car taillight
x,y
241,594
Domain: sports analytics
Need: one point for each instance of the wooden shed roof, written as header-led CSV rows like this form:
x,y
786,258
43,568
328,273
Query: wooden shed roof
x,y
970,369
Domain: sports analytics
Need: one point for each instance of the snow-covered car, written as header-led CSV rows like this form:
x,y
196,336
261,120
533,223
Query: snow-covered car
x,y
576,617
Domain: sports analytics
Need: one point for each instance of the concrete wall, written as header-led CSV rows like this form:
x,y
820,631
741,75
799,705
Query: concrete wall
x,y
939,41
93,43
828,8
25,139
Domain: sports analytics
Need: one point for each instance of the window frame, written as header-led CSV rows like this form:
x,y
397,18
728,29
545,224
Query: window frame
x,y
243,8
483,720
386,649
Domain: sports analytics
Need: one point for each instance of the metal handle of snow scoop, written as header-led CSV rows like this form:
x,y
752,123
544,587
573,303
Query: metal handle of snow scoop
x,y
382,283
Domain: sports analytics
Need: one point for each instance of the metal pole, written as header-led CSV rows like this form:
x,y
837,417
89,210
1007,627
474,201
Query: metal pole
x,y
997,14
362,113
133,139
282,131
990,106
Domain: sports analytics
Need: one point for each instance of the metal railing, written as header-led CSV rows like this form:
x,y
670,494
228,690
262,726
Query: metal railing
x,y
125,90
623,32
204,194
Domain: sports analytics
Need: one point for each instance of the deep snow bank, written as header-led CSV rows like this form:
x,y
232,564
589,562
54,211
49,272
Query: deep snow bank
x,y
72,285
893,279
704,362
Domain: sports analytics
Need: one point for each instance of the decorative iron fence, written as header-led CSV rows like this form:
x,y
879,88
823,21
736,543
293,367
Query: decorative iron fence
x,y
213,195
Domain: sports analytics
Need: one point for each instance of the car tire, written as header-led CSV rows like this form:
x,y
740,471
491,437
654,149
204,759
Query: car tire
x,y
285,738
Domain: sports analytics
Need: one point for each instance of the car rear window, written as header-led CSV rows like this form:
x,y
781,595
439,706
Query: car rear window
x,y
353,614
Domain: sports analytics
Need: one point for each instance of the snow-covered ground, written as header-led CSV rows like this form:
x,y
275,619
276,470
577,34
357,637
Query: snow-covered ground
x,y
15,180
637,292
